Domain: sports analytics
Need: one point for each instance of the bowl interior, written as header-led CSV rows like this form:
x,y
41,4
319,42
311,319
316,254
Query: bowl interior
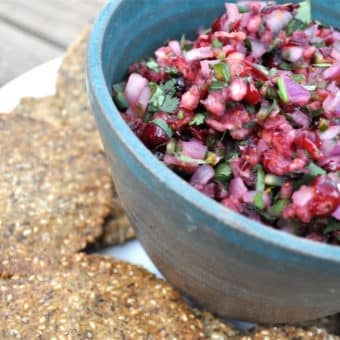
x,y
122,39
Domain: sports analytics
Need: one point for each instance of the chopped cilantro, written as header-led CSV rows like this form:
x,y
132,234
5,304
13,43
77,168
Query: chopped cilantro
x,y
222,72
152,65
198,119
248,45
273,180
315,170
299,78
171,146
323,125
304,12
223,172
322,65
170,104
243,9
216,43
217,85
163,125
332,226
295,25
180,114
119,96
162,97
259,178
286,66
172,71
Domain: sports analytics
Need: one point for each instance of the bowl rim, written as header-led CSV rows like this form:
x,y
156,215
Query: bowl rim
x,y
98,89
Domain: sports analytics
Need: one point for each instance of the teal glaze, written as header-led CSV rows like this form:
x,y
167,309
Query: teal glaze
x,y
226,262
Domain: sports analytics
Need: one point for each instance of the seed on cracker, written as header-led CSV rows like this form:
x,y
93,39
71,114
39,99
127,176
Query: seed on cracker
x,y
94,297
55,191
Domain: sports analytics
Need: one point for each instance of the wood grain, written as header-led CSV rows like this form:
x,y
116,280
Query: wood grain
x,y
35,31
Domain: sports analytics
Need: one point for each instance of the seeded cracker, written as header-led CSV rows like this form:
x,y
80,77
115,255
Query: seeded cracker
x,y
71,108
55,192
94,297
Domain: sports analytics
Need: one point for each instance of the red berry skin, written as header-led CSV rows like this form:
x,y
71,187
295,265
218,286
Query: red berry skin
x,y
253,95
153,136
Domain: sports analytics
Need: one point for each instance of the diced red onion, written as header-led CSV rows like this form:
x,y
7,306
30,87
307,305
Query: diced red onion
x,y
143,99
190,99
336,52
254,24
205,67
202,175
237,188
131,112
134,87
199,53
332,72
258,48
296,93
240,36
292,53
277,19
302,196
215,103
248,197
175,47
237,89
233,16
300,118
336,213
188,167
331,105
194,148
330,133
331,163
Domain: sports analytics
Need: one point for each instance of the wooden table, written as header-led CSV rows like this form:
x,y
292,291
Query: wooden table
x,y
35,31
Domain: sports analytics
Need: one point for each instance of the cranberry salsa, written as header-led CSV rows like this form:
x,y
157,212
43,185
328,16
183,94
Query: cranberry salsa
x,y
249,114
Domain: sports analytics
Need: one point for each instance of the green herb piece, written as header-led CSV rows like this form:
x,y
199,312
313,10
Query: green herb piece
x,y
222,72
216,43
316,113
259,178
323,125
172,71
211,158
295,25
171,147
310,87
162,97
243,9
322,65
152,65
315,170
180,114
232,155
198,119
273,180
188,159
185,45
276,209
332,226
265,109
282,90
223,172
258,200
249,108
169,87
299,78
249,125
217,85
170,104
248,45
286,66
163,125
304,12
119,96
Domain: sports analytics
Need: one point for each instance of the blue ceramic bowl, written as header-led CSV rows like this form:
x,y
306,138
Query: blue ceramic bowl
x,y
226,262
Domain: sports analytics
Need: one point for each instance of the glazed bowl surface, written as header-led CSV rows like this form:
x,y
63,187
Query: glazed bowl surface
x,y
226,262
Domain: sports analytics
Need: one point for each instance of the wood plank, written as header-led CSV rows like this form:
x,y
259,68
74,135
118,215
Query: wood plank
x,y
20,52
58,22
